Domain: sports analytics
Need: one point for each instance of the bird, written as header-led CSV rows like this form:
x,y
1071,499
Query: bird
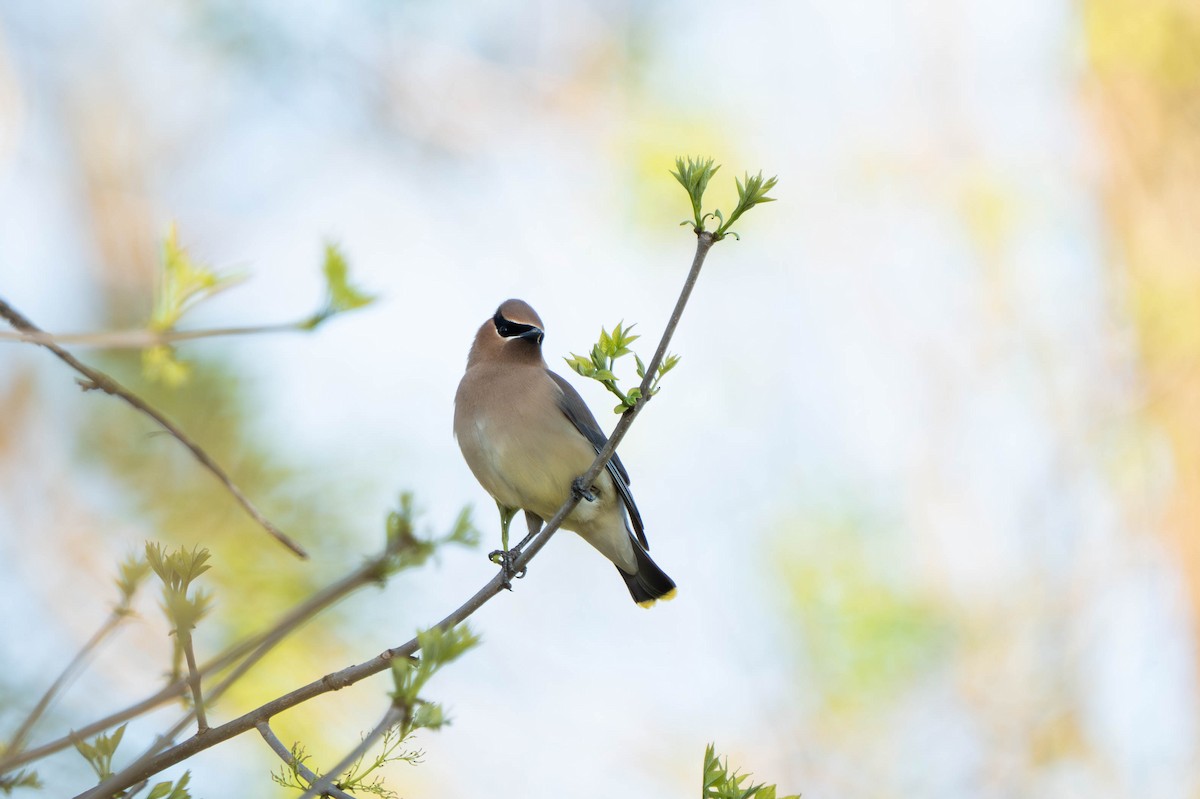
x,y
527,435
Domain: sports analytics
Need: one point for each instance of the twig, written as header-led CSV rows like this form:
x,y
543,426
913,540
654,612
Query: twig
x,y
101,381
63,679
335,681
293,762
321,787
144,338
194,681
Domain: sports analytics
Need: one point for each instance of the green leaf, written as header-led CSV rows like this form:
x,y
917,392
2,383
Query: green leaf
x,y
99,753
438,647
159,365
160,790
340,294
130,575
182,284
21,779
751,192
694,174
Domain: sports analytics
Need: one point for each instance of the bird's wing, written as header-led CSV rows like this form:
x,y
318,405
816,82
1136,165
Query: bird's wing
x,y
574,408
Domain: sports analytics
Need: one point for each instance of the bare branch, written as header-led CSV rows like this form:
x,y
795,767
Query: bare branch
x,y
293,762
146,767
101,381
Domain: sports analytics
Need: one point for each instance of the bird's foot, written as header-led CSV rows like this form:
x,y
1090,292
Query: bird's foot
x,y
506,559
581,491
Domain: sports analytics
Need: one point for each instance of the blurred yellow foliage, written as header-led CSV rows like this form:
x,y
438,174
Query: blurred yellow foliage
x,y
1145,58
1154,39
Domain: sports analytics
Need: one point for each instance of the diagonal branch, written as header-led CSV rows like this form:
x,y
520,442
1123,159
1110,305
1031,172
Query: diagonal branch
x,y
101,381
291,761
148,766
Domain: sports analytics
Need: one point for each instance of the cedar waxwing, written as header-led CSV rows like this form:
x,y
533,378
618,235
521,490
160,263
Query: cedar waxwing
x,y
527,435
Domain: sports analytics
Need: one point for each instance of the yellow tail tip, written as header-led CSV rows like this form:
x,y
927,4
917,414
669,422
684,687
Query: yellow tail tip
x,y
667,597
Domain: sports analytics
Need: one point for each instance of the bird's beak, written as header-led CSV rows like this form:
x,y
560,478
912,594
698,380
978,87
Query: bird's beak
x,y
533,334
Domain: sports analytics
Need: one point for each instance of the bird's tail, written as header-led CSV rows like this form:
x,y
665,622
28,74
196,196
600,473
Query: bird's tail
x,y
649,583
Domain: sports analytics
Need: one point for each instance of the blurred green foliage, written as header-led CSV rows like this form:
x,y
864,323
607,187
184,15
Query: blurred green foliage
x,y
867,633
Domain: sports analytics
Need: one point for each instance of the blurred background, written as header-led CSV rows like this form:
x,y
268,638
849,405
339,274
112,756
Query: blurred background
x,y
928,474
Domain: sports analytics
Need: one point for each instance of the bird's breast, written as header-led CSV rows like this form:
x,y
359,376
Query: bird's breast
x,y
520,446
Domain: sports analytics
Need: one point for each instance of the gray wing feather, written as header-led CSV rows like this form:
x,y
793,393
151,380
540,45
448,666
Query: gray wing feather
x,y
575,409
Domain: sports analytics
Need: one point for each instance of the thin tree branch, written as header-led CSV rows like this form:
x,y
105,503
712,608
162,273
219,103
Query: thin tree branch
x,y
194,681
321,787
144,338
293,762
68,674
335,681
99,380
257,646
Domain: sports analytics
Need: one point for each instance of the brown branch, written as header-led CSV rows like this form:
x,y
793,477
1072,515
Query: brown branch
x,y
147,767
101,381
145,338
291,761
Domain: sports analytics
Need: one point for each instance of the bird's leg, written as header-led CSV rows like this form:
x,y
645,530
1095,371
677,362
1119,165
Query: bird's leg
x,y
504,557
534,522
581,491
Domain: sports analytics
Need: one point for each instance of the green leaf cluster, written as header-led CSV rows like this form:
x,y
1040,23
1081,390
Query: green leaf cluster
x,y
600,363
405,550
172,790
184,608
130,575
182,284
438,647
99,753
22,779
719,783
695,173
340,294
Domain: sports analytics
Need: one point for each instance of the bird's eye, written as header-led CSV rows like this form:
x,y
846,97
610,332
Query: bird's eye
x,y
508,329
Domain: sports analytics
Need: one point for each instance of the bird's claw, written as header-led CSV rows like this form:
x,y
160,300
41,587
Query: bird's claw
x,y
581,491
506,559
